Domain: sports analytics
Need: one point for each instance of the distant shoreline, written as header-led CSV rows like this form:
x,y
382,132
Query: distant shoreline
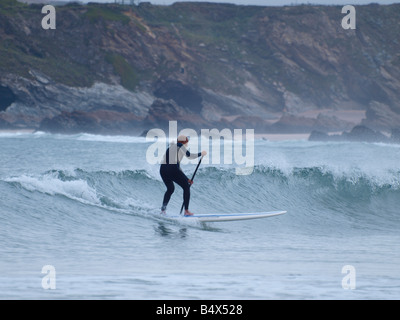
x,y
17,131
282,136
273,137
265,136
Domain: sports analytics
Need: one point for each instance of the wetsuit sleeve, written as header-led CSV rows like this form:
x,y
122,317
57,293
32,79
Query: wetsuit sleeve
x,y
190,155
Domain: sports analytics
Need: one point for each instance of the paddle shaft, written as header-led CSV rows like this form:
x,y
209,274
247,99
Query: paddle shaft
x,y
198,165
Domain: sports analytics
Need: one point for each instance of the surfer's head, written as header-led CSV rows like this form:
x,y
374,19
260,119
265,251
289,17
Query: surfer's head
x,y
183,139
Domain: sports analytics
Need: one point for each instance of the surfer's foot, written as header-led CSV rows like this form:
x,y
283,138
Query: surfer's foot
x,y
163,210
188,213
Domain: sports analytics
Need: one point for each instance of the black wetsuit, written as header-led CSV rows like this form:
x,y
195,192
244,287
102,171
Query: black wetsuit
x,y
171,172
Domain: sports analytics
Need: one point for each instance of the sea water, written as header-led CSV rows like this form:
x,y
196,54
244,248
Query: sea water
x,y
79,220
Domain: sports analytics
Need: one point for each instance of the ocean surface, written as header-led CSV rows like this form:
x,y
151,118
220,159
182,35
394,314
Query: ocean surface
x,y
79,219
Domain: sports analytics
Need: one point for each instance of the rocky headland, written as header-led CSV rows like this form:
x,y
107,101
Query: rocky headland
x,y
359,133
114,69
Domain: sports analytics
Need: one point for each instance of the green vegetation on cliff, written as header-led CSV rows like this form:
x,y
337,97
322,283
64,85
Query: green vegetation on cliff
x,y
129,78
96,13
299,49
10,7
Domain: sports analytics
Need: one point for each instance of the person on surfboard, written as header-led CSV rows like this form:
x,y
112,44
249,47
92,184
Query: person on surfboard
x,y
171,172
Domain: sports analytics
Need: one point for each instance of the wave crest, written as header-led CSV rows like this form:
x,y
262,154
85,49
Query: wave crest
x,y
117,189
51,184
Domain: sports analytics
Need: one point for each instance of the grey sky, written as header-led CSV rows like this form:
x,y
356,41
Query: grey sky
x,y
271,2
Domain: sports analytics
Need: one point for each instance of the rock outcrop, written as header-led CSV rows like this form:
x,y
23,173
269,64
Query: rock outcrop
x,y
203,64
357,134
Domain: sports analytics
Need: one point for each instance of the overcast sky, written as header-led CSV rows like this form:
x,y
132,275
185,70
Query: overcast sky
x,y
271,2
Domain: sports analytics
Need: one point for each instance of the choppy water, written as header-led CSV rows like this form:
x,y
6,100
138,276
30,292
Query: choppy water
x,y
87,205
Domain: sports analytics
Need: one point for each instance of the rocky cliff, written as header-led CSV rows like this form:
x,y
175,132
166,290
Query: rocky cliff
x,y
124,69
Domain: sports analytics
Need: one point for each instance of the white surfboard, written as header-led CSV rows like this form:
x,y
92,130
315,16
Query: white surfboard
x,y
231,216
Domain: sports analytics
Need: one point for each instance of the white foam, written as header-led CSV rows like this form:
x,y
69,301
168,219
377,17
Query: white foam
x,y
107,138
79,136
49,184
350,161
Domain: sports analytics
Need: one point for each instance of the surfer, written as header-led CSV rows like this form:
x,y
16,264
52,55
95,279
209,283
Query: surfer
x,y
171,172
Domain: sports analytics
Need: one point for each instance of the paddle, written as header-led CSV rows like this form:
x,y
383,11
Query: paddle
x,y
198,165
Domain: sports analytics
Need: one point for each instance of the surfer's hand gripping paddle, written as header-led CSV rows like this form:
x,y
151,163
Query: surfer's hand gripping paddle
x,y
191,180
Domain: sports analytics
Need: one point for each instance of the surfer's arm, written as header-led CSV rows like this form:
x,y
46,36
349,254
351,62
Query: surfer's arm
x,y
190,155
193,155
